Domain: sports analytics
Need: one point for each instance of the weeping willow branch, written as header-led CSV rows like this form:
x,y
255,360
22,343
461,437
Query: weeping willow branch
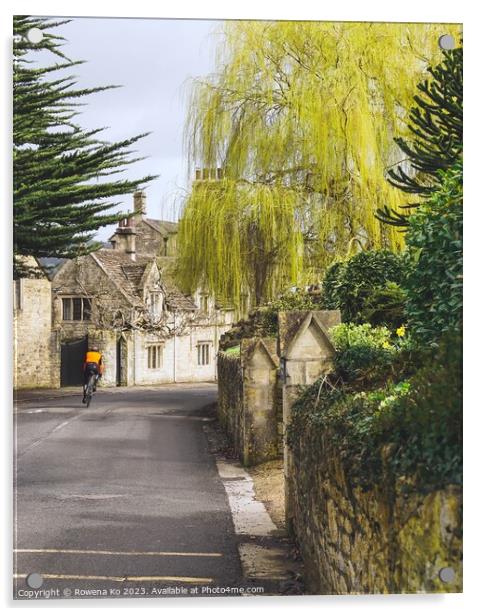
x,y
301,117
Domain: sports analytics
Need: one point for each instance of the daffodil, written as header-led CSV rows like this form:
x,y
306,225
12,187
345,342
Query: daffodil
x,y
401,331
386,345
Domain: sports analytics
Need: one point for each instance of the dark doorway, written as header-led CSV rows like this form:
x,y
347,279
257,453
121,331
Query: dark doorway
x,y
72,355
121,362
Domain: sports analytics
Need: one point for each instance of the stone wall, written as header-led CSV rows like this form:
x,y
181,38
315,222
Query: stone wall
x,y
306,352
249,400
36,356
230,399
385,540
148,240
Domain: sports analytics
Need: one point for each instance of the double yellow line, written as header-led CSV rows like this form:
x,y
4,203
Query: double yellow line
x,y
113,553
128,578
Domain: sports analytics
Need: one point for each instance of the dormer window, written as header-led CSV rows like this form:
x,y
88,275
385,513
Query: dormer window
x,y
155,303
204,303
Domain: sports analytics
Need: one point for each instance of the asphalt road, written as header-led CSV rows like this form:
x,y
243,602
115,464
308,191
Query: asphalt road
x,y
123,497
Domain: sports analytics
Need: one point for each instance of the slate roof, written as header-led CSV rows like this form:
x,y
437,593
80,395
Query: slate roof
x,y
175,299
163,226
125,273
127,276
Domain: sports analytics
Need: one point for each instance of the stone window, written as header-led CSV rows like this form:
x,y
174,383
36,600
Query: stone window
x,y
204,303
155,356
203,349
76,309
155,303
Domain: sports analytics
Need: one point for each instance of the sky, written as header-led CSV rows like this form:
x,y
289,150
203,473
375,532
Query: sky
x,y
155,61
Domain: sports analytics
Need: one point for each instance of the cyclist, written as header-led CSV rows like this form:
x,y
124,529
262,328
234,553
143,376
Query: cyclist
x,y
93,364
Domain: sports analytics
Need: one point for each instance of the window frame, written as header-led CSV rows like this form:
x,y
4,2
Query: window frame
x,y
204,303
155,355
84,308
156,303
204,352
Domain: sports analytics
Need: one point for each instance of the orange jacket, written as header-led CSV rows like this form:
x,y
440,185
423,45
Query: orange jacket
x,y
94,357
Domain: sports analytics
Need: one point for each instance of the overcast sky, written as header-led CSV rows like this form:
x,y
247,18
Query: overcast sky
x,y
154,60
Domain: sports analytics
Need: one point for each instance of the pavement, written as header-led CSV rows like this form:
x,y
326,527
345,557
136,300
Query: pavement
x,y
129,499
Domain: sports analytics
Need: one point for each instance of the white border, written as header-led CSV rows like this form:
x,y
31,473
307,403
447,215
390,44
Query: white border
x,y
349,10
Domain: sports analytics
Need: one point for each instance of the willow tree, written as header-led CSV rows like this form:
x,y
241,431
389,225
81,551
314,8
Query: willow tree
x,y
300,117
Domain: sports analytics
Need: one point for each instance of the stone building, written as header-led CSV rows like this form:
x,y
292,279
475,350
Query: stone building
x,y
152,237
36,349
124,299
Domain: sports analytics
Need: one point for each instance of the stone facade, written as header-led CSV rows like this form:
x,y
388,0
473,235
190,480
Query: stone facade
x,y
36,349
126,301
151,236
122,321
385,540
248,401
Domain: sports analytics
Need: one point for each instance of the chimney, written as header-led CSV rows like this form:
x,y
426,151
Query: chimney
x,y
131,238
126,238
139,205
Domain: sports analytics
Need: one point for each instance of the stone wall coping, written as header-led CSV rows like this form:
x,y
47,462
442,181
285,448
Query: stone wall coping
x,y
294,323
249,346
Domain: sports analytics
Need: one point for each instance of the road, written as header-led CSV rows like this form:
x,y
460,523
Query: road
x,y
123,498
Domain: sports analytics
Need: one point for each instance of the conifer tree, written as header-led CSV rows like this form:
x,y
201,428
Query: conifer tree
x,y
436,126
63,175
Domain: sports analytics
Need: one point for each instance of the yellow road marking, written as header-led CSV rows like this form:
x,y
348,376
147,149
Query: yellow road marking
x,y
112,553
127,578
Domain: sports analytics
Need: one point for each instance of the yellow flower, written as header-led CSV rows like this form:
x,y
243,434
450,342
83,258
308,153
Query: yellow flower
x,y
386,345
401,331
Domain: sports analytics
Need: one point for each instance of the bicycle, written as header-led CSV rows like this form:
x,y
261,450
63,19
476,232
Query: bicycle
x,y
89,389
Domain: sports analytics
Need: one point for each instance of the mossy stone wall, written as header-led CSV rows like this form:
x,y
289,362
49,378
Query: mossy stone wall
x,y
389,539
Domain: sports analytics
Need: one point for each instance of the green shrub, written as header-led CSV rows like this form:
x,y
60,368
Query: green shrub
x,y
411,430
360,348
330,299
385,306
427,423
234,350
351,284
267,318
434,281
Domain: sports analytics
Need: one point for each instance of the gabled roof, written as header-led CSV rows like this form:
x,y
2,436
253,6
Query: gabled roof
x,y
51,265
175,299
124,273
311,320
266,347
162,226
